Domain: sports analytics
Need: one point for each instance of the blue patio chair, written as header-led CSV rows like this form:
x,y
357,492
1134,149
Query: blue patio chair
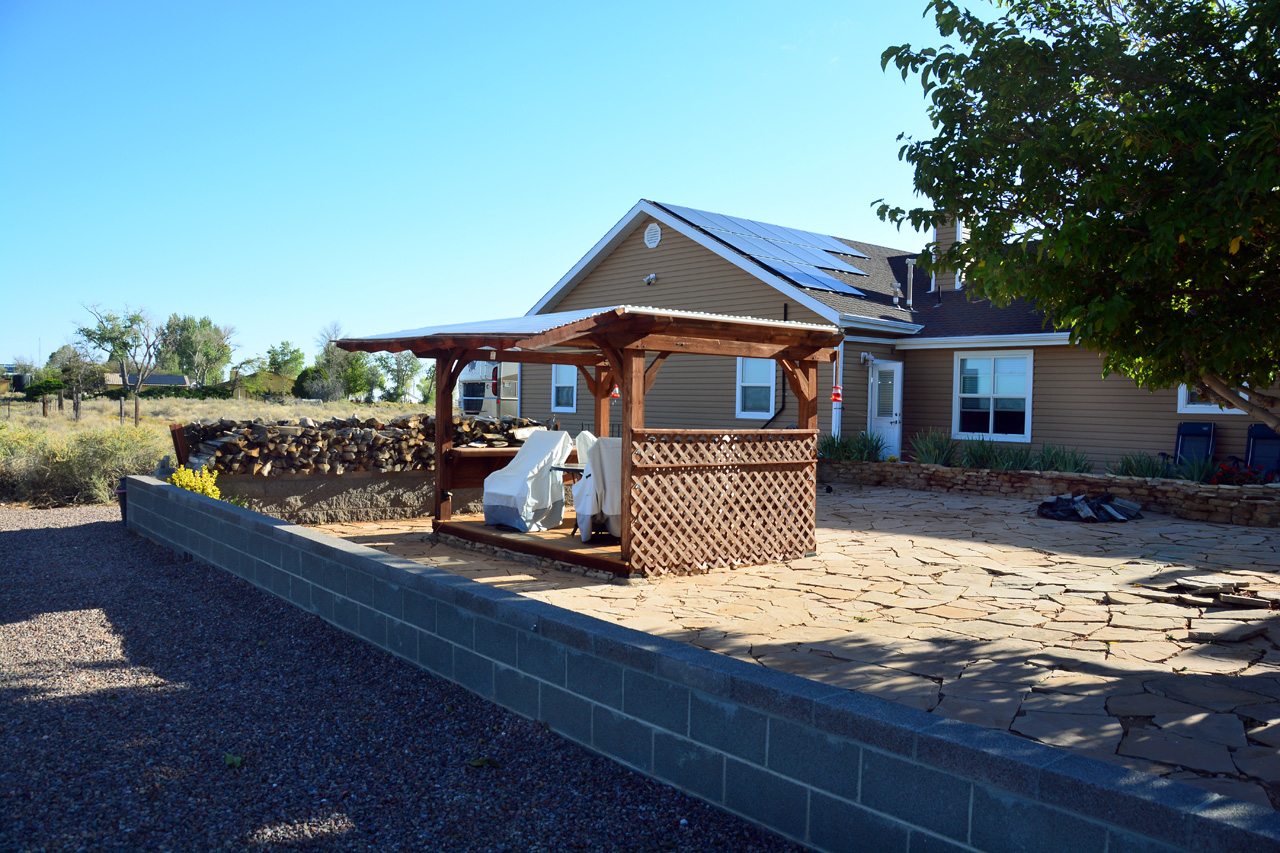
x,y
1195,441
1263,449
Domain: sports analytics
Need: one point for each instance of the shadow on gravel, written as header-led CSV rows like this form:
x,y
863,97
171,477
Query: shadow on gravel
x,y
151,703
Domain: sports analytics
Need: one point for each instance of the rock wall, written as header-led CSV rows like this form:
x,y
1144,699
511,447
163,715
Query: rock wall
x,y
1253,506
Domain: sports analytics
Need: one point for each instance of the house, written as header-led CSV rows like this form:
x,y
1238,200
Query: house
x,y
917,355
155,380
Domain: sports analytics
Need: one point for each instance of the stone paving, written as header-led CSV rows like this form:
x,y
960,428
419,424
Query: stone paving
x,y
1150,644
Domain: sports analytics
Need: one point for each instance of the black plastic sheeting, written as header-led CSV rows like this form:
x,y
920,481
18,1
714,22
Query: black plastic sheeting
x,y
1105,507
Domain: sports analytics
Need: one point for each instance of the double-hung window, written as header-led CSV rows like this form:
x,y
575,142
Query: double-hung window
x,y
992,396
757,388
564,388
1191,402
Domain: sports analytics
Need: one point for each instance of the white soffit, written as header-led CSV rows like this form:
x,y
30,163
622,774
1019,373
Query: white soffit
x,y
1046,339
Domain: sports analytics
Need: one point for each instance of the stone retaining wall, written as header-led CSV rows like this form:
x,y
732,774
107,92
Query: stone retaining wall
x,y
833,769
1254,506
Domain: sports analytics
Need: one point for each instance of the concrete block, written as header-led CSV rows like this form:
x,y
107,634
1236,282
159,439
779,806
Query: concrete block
x,y
656,701
621,738
541,658
780,804
435,655
495,640
1122,842
836,825
290,560
514,690
630,648
372,626
870,720
346,614
1224,826
699,669
728,727
573,630
299,592
358,586
473,672
455,625
274,579
922,842
1009,762
779,693
1003,823
402,640
920,795
822,760
322,603
419,610
388,598
566,713
598,680
689,766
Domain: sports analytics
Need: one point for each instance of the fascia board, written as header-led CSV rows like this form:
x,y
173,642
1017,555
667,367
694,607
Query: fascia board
x,y
1046,339
632,220
851,321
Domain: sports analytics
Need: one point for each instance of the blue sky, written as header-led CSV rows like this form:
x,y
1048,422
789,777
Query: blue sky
x,y
281,166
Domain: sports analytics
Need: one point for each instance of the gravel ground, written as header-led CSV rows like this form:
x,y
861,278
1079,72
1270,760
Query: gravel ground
x,y
131,681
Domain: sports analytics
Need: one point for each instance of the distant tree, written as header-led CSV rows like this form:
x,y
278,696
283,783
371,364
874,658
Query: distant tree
x,y
400,369
286,359
361,376
130,339
75,367
246,379
1116,161
427,386
302,385
197,349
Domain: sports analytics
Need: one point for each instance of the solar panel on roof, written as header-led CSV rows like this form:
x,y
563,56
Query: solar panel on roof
x,y
808,276
794,240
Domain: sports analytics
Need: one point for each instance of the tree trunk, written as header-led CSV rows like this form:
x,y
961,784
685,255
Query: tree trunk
x,y
137,409
75,404
44,405
121,410
62,400
1253,405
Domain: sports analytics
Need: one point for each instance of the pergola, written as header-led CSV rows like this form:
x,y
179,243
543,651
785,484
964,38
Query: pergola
x,y
696,498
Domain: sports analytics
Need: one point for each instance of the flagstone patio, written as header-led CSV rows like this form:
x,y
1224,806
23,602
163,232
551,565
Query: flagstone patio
x,y
1075,635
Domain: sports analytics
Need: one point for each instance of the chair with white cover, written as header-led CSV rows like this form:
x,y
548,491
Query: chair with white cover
x,y
527,495
597,497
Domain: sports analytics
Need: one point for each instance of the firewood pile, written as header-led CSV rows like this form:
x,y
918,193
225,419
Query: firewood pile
x,y
338,446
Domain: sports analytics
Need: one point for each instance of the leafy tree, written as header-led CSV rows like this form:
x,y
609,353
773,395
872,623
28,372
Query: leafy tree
x,y
400,369
361,376
1116,161
427,385
73,365
130,339
286,359
195,348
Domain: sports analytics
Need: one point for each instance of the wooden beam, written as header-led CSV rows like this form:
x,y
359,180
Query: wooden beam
x,y
447,370
726,347
632,422
651,372
589,379
603,388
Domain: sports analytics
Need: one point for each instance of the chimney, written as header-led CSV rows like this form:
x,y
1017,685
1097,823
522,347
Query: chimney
x,y
911,280
944,237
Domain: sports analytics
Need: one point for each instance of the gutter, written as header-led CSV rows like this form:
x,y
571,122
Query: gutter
x,y
877,325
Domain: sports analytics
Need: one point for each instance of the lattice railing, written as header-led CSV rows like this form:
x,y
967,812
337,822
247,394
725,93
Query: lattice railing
x,y
703,499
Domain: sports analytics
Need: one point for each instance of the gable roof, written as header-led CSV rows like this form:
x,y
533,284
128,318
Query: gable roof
x,y
876,271
155,380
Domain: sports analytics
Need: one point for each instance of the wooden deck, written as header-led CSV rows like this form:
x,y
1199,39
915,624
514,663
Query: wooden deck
x,y
561,543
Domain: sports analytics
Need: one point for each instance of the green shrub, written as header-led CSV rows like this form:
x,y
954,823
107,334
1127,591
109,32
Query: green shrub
x,y
1139,465
980,453
863,447
1061,458
829,446
1197,470
934,447
79,468
1017,457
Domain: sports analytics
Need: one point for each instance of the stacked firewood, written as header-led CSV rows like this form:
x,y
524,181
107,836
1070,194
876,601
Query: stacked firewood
x,y
338,446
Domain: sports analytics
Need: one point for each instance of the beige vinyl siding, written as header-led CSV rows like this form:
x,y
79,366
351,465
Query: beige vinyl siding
x,y
691,391
1072,405
856,383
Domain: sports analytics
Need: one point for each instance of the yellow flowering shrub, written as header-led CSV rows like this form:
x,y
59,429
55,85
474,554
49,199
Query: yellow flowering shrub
x,y
202,482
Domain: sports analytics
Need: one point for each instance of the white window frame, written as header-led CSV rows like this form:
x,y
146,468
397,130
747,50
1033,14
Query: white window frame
x,y
738,411
1029,355
573,385
1187,407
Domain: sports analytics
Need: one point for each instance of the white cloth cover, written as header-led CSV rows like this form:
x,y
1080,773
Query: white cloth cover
x,y
582,443
597,497
527,495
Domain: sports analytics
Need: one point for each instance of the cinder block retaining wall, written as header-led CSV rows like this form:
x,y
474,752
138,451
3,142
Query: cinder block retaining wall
x,y
1254,506
833,769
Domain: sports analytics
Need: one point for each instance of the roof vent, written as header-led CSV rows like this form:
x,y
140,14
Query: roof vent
x,y
652,235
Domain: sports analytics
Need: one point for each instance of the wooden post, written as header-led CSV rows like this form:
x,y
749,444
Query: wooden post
x,y
604,387
809,369
445,380
632,387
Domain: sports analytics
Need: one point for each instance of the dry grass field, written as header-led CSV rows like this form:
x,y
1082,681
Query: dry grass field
x,y
58,461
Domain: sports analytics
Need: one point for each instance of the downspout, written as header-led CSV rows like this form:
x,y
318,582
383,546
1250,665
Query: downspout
x,y
870,361
837,406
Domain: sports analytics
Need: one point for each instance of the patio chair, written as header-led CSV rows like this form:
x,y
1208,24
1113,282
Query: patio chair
x,y
1195,441
1263,449
597,497
526,495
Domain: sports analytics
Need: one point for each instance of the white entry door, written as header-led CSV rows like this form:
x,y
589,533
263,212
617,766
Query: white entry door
x,y
885,405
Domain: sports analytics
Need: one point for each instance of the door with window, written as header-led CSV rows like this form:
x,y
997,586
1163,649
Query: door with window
x,y
885,405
